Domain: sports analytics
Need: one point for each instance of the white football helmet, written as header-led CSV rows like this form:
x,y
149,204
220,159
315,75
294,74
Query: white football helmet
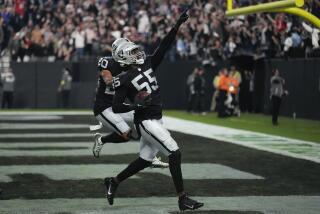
x,y
116,44
129,53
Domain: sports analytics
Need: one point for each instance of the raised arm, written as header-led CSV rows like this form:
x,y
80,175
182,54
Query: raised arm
x,y
167,41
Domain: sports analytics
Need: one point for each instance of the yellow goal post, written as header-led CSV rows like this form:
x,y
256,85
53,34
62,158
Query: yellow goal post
x,y
285,6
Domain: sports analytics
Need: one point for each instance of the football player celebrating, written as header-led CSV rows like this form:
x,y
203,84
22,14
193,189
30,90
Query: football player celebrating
x,y
117,123
140,86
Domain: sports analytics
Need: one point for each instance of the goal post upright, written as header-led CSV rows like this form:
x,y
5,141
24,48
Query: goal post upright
x,y
284,6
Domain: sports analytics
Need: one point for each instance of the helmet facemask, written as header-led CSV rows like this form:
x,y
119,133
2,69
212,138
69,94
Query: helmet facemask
x,y
137,55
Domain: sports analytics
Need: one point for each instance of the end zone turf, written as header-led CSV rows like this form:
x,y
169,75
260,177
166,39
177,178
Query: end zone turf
x,y
288,185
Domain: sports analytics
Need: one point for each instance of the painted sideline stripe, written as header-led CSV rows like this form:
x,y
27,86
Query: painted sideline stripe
x,y
45,135
20,126
275,144
163,205
97,171
46,113
280,145
111,149
24,117
47,144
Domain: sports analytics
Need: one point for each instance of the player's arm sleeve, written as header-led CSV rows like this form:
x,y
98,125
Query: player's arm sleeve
x,y
104,68
118,104
165,44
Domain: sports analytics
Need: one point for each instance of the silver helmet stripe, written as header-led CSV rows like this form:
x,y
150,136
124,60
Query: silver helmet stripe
x,y
116,44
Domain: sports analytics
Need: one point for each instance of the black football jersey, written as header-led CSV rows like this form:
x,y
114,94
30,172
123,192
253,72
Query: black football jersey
x,y
140,78
104,92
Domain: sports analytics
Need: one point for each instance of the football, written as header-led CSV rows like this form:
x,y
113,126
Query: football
x,y
142,95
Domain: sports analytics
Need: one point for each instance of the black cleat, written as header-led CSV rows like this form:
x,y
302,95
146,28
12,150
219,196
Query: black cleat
x,y
186,203
111,188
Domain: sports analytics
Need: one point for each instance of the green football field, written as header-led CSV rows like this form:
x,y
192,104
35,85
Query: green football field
x,y
301,129
47,166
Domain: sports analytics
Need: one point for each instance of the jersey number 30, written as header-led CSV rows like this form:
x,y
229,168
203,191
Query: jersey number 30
x,y
150,86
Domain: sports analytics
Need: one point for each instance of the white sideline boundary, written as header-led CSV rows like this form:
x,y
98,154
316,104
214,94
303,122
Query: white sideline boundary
x,y
264,142
162,205
259,141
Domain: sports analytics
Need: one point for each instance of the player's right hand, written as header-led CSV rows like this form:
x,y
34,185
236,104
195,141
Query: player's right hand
x,y
183,17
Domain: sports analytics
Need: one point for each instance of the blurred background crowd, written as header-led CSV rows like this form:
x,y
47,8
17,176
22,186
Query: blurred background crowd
x,y
232,91
53,30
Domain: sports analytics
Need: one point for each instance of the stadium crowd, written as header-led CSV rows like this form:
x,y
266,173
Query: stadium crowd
x,y
70,30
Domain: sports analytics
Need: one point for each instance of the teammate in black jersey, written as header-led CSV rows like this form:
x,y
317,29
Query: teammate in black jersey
x,y
121,125
140,86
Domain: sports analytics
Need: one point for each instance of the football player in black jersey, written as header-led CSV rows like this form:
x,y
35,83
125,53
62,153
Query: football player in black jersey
x,y
140,86
121,125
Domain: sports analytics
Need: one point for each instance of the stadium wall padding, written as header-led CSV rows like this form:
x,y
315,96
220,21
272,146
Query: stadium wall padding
x,y
37,84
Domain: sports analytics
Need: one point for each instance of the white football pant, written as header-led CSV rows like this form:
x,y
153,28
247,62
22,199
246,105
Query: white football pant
x,y
154,138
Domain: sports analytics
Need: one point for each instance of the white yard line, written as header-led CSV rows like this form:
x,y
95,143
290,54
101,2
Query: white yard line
x,y
23,126
271,143
62,113
29,117
163,205
10,149
196,171
45,135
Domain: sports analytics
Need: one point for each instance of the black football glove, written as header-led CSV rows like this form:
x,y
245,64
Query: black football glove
x,y
183,18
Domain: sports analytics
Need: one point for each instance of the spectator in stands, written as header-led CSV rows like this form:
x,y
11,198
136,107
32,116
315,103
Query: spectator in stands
x,y
208,36
65,50
7,81
315,9
276,93
37,42
65,87
315,34
182,48
90,38
78,37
